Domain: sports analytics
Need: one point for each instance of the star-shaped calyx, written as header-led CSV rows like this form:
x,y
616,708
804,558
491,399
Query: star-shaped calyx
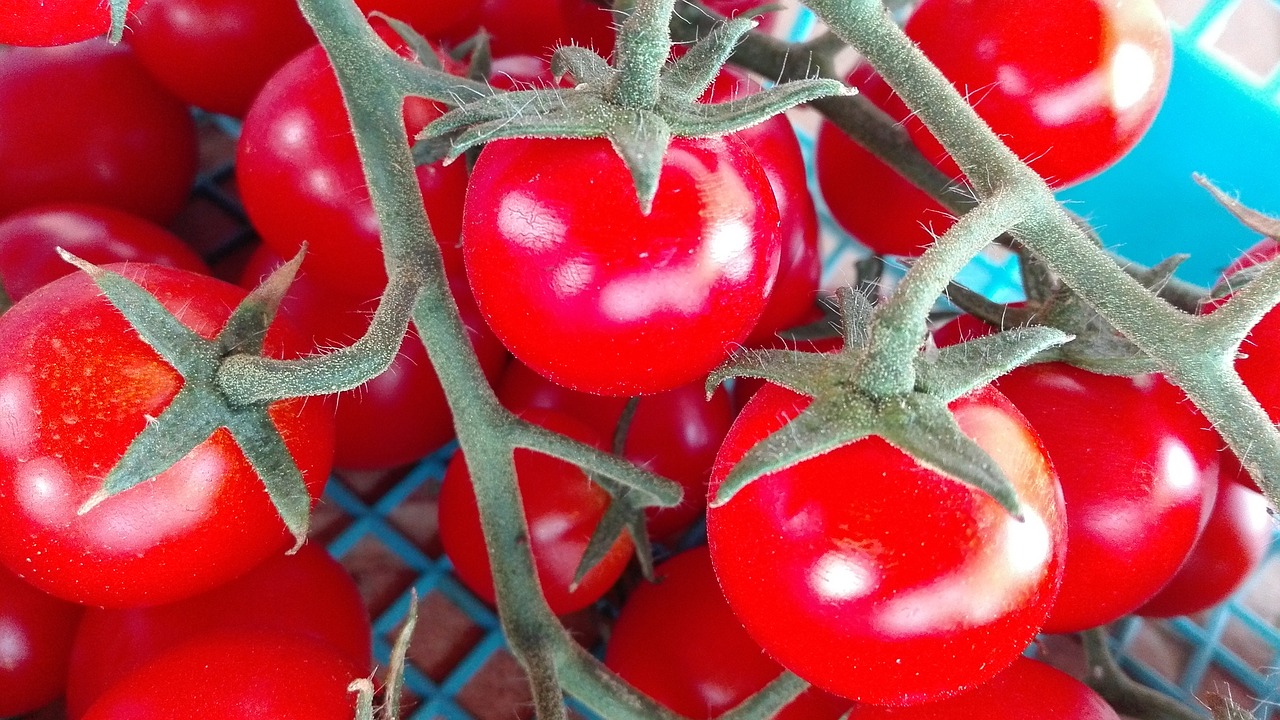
x,y
200,408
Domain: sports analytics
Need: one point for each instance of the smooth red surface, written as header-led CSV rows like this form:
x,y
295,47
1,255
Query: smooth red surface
x,y
677,641
1069,85
1028,690
301,180
611,301
86,123
35,642
77,385
537,27
451,20
877,579
246,676
562,508
675,434
43,23
29,240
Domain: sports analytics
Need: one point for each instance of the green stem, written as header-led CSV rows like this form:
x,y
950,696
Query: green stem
x,y
642,49
1128,697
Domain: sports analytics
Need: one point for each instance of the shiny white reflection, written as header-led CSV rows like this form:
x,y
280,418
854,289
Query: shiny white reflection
x,y
528,223
729,247
642,296
1132,75
842,576
572,277
1178,466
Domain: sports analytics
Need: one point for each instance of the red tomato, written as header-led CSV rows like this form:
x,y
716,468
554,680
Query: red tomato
x,y
77,385
827,568
307,594
1028,690
536,27
616,302
451,20
247,676
35,642
101,235
1233,544
562,507
869,199
677,641
301,180
42,23
1069,85
86,123
675,434
1264,250
733,8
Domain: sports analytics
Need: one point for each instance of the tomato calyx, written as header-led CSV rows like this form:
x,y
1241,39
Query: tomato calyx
x,y
200,408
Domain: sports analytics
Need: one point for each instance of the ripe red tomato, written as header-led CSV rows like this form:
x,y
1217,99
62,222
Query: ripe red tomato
x,y
42,23
859,569
1027,690
618,302
448,20
1233,544
677,641
77,385
245,675
85,123
1070,85
562,507
307,594
35,642
675,434
101,235
301,180
536,27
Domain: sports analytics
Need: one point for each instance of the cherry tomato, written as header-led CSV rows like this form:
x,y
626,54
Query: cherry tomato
x,y
42,23
77,385
101,235
307,594
441,20
1028,690
301,180
675,434
562,507
618,302
35,642
676,641
85,123
869,199
859,569
1233,544
247,676
536,27
1069,85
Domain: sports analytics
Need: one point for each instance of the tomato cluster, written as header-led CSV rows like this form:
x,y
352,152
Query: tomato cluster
x,y
894,589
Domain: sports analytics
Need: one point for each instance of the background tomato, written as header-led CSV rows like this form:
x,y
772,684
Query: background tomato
x,y
536,27
35,643
41,23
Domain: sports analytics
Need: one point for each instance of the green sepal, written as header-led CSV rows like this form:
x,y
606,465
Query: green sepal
x,y
959,369
432,150
609,471
1038,281
748,110
1262,224
621,515
997,315
532,126
642,144
266,452
247,327
801,372
1158,275
119,16
586,67
412,38
685,80
641,50
479,56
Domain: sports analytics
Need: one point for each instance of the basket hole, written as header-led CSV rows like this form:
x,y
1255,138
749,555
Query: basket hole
x,y
1181,13
1250,38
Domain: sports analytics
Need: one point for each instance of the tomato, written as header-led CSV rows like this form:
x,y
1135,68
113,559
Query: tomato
x,y
733,8
536,27
451,20
247,676
101,235
562,508
85,123
401,415
77,385
675,434
676,641
617,302
1233,544
1069,85
827,567
1027,690
1264,250
866,197
307,594
42,23
301,180
35,642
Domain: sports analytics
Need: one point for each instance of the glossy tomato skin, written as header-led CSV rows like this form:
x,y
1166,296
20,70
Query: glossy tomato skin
x,y
825,565
40,23
248,676
138,154
307,594
537,27
36,631
301,180
1069,85
615,302
29,240
1027,690
80,384
562,508
677,641
675,434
